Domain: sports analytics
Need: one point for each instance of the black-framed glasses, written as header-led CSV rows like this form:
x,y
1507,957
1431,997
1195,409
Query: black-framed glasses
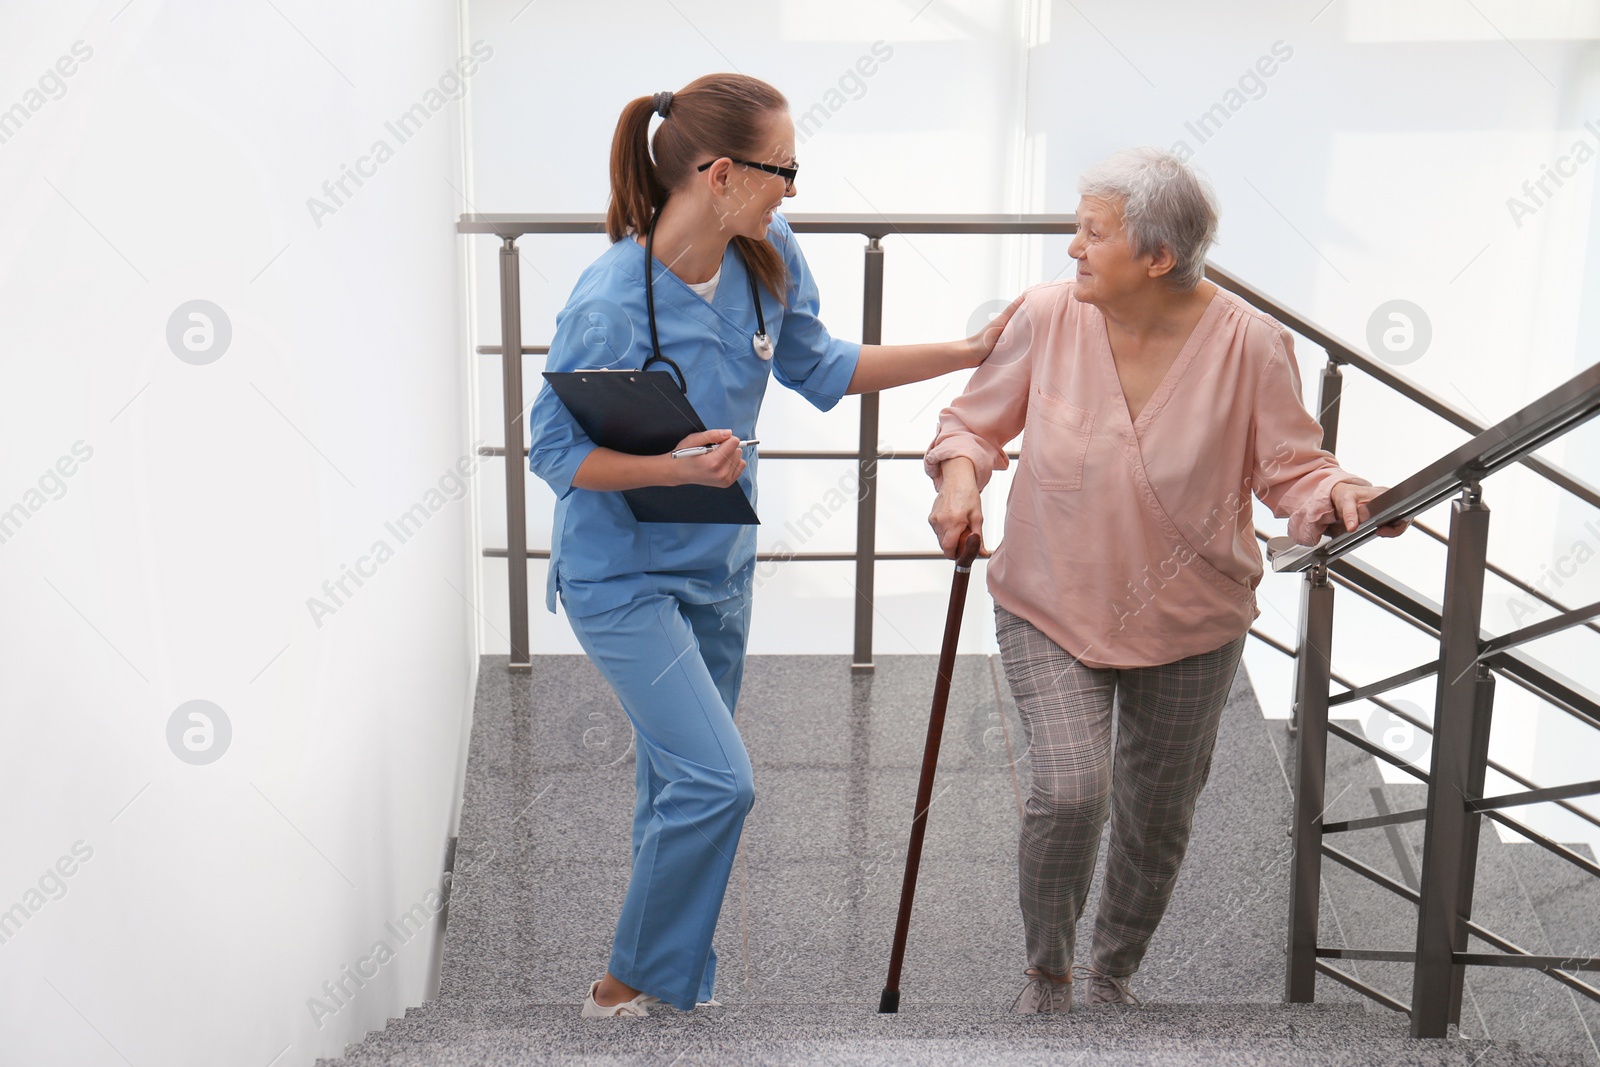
x,y
786,173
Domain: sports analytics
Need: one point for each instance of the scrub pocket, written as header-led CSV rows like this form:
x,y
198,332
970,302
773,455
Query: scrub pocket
x,y
1055,441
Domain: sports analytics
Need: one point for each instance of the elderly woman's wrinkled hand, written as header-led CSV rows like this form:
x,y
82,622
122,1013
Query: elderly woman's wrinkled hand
x,y
958,507
1350,506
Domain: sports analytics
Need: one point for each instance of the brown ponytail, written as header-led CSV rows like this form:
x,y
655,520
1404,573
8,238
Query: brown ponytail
x,y
719,114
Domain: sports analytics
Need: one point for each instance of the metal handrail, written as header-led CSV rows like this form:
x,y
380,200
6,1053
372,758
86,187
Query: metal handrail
x,y
1562,409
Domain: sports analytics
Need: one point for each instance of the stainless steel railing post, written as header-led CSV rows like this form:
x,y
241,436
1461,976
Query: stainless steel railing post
x,y
1460,728
1328,404
1478,765
1313,673
867,463
1328,395
516,488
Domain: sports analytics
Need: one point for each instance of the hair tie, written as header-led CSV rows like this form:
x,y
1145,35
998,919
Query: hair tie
x,y
663,103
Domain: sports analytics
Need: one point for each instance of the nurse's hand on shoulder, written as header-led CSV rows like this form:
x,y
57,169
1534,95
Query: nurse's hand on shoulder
x,y
982,345
719,468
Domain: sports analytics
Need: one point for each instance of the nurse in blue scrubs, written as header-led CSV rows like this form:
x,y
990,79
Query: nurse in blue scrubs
x,y
663,609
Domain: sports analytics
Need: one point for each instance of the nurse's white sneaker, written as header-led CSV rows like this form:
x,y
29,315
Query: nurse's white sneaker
x,y
635,1008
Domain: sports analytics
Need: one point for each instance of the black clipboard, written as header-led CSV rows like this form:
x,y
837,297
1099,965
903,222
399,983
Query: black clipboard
x,y
643,413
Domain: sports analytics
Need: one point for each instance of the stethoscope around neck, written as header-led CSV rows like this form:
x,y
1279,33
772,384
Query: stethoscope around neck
x,y
759,341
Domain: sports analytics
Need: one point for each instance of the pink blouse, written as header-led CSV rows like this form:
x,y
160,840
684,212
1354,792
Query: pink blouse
x,y
1130,543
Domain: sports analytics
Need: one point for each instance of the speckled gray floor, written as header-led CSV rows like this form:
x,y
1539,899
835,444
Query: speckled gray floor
x,y
805,930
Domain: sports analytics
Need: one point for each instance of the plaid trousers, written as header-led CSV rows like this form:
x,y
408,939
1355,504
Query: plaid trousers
x,y
1166,731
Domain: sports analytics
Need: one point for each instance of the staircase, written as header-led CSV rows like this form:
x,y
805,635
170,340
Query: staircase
x,y
805,928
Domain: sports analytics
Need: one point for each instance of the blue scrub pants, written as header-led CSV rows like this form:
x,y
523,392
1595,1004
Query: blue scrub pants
x,y
676,668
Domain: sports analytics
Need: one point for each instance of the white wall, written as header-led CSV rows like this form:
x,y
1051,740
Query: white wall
x,y
1374,163
211,502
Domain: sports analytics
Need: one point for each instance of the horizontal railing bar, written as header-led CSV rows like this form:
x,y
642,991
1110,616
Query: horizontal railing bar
x,y
527,350
1382,753
841,454
1556,690
1363,988
1544,842
1495,959
1539,629
915,454
1371,874
1505,575
1587,817
1483,934
839,557
1383,685
1377,955
1477,959
1535,796
779,557
1400,713
1273,642
1563,408
1394,818
866,225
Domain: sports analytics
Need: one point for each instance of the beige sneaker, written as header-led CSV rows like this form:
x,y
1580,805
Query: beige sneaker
x,y
1106,988
1043,995
637,1008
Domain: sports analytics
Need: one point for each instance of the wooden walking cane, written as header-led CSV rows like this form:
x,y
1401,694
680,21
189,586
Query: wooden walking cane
x,y
889,1003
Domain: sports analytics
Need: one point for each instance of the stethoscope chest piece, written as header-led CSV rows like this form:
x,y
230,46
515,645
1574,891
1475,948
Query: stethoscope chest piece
x,y
762,343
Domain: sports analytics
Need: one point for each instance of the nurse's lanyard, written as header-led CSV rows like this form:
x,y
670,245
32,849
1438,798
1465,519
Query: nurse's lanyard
x,y
760,341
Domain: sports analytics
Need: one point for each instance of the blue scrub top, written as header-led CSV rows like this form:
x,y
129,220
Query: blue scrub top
x,y
600,558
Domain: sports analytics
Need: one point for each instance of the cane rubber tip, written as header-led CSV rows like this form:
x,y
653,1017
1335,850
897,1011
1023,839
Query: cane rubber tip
x,y
889,1003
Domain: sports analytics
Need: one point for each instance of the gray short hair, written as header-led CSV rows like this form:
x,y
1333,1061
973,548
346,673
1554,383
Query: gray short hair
x,y
1164,202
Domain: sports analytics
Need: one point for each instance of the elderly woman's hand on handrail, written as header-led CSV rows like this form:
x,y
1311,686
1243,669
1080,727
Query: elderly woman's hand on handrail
x,y
1350,501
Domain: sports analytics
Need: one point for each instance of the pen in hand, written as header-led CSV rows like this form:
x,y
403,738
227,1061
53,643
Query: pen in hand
x,y
700,450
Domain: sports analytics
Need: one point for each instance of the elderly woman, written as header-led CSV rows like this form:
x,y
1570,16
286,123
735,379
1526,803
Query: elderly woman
x,y
1154,404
